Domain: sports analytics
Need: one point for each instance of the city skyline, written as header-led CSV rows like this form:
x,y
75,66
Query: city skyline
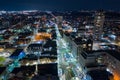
x,y
59,45
59,5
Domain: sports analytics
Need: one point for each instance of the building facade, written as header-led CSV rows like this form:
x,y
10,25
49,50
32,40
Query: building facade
x,y
98,24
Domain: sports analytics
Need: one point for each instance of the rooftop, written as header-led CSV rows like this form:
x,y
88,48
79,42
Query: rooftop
x,y
17,52
99,74
2,69
113,53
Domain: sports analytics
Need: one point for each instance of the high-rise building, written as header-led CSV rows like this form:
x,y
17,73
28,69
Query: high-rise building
x,y
59,19
98,24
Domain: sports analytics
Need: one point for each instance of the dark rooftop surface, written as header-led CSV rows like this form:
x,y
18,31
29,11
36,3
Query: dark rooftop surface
x,y
95,65
43,69
99,74
50,44
80,40
16,52
26,69
113,53
2,69
35,45
84,54
37,77
45,72
67,34
51,68
3,43
49,52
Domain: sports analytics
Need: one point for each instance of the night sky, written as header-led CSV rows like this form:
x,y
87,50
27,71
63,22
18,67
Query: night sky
x,y
61,5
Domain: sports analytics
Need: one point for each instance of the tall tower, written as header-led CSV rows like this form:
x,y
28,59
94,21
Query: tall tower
x,y
59,19
98,24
